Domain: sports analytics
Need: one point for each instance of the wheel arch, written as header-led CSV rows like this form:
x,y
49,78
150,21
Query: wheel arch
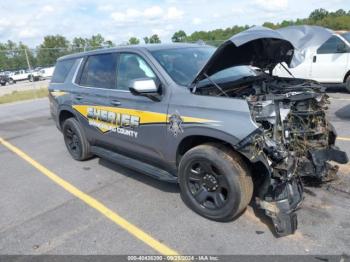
x,y
259,171
191,141
346,76
64,114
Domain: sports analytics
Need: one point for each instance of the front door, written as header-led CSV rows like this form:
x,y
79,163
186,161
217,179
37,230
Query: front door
x,y
330,62
143,122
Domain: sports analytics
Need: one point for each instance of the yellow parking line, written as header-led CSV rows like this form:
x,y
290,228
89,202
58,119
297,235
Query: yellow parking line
x,y
92,202
337,98
343,138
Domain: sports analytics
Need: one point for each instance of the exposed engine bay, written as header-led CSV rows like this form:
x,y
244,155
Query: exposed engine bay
x,y
294,139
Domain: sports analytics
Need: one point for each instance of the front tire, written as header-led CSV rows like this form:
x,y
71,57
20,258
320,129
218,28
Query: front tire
x,y
215,182
75,140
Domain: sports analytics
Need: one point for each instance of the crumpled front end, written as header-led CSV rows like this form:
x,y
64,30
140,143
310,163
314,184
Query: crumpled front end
x,y
295,140
278,187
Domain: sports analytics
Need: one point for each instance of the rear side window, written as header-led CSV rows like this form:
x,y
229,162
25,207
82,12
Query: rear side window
x,y
99,71
62,69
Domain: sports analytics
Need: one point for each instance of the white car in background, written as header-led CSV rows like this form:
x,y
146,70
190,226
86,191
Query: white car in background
x,y
46,73
328,63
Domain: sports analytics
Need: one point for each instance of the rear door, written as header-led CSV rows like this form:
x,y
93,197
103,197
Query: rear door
x,y
94,82
329,64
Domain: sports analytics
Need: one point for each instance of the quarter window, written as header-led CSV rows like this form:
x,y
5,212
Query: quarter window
x,y
331,46
132,67
99,71
62,69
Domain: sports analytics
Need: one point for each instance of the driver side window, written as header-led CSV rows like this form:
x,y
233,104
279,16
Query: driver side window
x,y
332,46
132,67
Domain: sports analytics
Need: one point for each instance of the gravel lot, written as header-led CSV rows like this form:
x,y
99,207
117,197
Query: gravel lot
x,y
40,217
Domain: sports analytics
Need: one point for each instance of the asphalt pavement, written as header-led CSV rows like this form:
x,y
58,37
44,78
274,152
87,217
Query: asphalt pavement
x,y
39,216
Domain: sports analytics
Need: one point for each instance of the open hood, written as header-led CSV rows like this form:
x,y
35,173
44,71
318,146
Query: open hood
x,y
265,48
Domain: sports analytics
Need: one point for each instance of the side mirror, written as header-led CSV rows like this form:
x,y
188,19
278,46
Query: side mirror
x,y
145,87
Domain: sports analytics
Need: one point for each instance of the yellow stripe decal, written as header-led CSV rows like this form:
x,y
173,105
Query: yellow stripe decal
x,y
343,138
92,202
146,117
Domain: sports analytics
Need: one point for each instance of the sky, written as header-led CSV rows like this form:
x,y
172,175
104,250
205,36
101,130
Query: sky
x,y
118,20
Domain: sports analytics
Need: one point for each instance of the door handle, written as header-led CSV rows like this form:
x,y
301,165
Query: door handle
x,y
115,103
314,59
78,97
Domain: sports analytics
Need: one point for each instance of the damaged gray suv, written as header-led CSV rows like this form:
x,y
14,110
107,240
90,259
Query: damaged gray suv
x,y
215,121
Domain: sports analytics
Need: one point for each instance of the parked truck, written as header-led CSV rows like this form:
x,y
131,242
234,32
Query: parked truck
x,y
20,75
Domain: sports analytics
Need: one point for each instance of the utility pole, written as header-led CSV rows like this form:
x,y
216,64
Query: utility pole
x,y
28,63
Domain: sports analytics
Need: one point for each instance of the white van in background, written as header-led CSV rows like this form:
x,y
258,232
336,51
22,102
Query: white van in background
x,y
329,63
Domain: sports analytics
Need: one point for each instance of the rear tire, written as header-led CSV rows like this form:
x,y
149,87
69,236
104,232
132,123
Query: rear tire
x,y
75,140
215,182
347,83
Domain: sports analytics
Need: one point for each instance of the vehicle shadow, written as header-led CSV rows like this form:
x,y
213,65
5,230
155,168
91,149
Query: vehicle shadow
x,y
344,112
174,188
336,89
143,178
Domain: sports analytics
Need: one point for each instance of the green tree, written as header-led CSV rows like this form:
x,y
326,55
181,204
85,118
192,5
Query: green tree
x,y
179,36
154,39
269,25
146,40
318,14
52,48
108,43
339,12
133,41
13,56
96,41
79,43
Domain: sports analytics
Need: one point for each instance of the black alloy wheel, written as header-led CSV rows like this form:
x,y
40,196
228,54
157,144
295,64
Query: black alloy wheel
x,y
72,142
215,182
207,185
75,140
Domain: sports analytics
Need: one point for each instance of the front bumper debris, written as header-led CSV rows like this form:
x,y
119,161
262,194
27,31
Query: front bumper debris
x,y
282,204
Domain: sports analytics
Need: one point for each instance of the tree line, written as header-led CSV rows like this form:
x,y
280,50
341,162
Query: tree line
x,y
15,55
338,20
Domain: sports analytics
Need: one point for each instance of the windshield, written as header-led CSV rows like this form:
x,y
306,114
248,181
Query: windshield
x,y
346,36
228,75
233,73
183,64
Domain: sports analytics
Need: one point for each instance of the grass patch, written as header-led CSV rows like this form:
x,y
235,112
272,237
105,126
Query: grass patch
x,y
23,95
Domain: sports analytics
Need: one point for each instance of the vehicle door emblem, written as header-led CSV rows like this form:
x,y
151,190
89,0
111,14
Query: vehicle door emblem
x,y
175,124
